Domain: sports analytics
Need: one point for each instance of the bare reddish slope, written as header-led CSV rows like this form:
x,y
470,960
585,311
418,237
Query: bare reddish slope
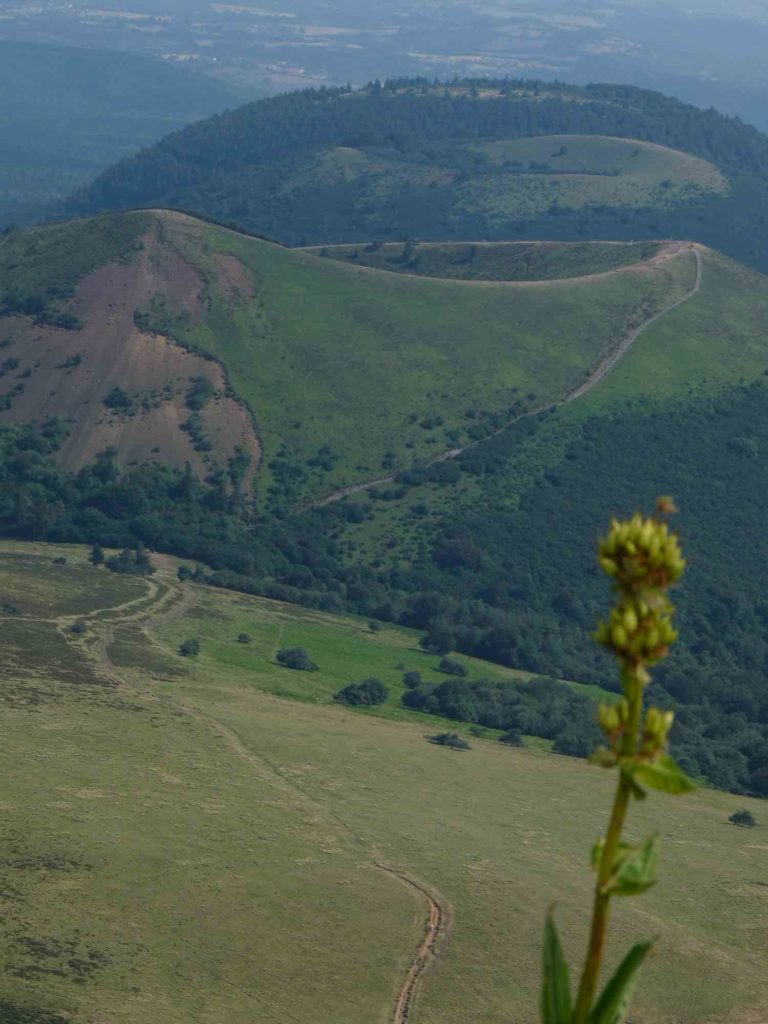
x,y
67,374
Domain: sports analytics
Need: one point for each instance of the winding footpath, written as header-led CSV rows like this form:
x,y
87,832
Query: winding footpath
x,y
165,599
599,373
427,949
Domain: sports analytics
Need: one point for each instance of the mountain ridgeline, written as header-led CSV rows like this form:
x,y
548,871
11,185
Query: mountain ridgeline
x,y
326,432
466,160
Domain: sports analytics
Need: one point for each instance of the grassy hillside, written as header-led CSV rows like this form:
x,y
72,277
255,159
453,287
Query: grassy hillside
x,y
489,160
434,452
67,114
346,371
176,838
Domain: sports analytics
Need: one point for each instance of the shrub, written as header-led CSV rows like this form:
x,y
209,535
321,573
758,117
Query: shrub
x,y
512,738
450,739
452,667
368,693
244,638
412,679
744,818
96,556
118,399
190,648
296,658
78,628
60,560
374,626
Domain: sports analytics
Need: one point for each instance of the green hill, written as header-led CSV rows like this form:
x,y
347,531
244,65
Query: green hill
x,y
67,113
211,838
424,450
493,160
346,372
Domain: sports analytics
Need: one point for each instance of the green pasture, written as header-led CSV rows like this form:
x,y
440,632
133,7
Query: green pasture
x,y
383,368
202,846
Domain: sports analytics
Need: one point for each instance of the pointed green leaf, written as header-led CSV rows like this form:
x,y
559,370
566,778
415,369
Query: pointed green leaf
x,y
556,984
664,774
612,1006
637,871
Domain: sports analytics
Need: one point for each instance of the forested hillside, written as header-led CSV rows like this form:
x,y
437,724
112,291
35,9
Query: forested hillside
x,y
469,160
460,503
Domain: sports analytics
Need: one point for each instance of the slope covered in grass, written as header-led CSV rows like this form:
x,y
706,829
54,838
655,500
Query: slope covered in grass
x,y
428,451
468,160
346,371
177,839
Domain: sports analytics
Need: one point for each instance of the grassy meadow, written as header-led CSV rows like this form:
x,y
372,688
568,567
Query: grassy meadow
x,y
197,839
500,179
320,353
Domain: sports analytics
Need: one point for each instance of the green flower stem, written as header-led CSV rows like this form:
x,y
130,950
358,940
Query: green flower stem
x,y
633,689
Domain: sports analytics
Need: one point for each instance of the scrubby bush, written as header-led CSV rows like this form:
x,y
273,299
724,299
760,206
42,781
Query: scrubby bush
x,y
189,648
512,738
744,818
450,739
412,679
296,658
452,667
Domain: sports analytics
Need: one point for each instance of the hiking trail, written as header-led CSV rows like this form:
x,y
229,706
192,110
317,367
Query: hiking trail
x,y
603,368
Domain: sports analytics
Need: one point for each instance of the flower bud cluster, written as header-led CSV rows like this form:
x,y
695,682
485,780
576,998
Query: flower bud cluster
x,y
641,554
655,732
639,629
614,720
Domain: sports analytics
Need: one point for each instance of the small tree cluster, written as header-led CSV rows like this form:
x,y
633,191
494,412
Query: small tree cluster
x,y
196,575
368,693
131,562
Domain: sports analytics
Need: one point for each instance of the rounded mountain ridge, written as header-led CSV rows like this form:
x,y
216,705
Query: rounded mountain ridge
x,y
461,161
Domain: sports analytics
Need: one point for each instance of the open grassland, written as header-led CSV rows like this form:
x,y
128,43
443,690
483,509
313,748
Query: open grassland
x,y
384,368
517,177
576,171
201,848
348,371
493,261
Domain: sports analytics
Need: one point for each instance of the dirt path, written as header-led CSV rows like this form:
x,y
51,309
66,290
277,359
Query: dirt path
x,y
165,599
599,373
435,931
